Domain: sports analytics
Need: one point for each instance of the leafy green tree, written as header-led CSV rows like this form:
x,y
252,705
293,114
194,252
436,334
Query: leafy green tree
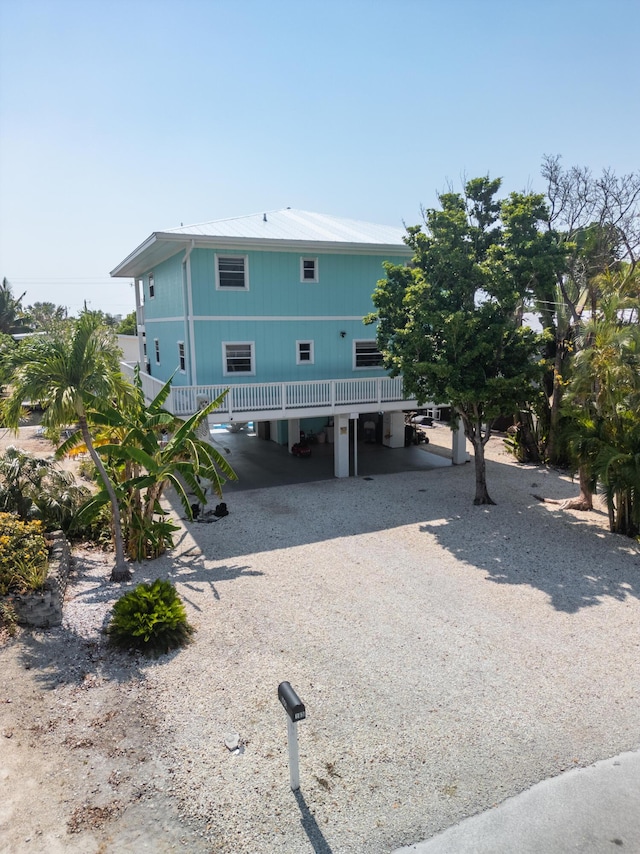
x,y
128,325
13,320
450,323
142,464
44,315
61,371
597,219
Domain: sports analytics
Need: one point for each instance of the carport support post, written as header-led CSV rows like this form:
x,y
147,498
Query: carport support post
x,y
294,763
354,418
341,446
459,453
294,432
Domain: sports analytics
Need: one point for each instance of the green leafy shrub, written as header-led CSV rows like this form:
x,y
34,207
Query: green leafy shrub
x,y
36,488
95,528
148,538
151,618
24,555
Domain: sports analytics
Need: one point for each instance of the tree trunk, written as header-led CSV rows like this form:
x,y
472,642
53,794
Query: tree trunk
x,y
621,514
472,422
120,571
553,451
584,501
482,494
474,434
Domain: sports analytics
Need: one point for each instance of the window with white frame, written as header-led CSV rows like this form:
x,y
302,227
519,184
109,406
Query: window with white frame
x,y
156,347
366,354
304,352
181,358
308,269
152,286
238,358
232,272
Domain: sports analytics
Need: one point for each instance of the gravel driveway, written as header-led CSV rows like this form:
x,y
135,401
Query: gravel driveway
x,y
449,656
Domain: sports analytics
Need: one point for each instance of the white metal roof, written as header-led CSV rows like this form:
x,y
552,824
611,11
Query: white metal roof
x,y
291,224
272,230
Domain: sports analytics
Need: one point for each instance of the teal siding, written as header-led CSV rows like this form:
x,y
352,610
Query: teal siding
x,y
168,334
275,349
261,315
169,289
167,305
345,285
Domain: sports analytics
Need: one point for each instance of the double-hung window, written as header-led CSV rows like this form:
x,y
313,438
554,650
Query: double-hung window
x,y
366,355
232,273
238,358
152,286
181,357
308,269
156,347
304,352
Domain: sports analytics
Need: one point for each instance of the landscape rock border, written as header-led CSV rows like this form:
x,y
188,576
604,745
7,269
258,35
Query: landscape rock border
x,y
43,608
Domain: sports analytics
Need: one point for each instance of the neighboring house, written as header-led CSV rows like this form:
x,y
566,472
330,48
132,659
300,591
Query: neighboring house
x,y
271,307
129,346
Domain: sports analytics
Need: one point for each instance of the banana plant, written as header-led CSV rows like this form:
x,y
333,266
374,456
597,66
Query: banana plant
x,y
142,465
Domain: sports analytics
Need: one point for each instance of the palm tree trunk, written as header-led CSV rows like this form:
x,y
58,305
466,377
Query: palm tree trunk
x,y
120,571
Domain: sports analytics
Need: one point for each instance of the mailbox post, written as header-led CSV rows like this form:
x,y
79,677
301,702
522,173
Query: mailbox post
x,y
294,707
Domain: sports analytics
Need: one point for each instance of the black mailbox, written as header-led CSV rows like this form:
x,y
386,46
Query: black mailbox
x,y
293,705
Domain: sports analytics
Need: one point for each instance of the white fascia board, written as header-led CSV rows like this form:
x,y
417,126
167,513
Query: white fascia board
x,y
303,246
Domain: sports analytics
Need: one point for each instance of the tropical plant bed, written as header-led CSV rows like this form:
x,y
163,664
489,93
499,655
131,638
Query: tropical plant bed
x,y
43,608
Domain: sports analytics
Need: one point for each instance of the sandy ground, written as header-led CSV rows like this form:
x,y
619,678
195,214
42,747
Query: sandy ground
x,y
105,753
79,768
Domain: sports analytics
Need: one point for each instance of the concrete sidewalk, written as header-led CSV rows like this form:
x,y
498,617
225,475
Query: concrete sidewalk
x,y
587,810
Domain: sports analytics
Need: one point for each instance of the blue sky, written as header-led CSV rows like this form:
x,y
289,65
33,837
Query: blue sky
x,y
123,117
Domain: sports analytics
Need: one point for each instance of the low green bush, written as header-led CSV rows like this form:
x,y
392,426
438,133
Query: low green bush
x,y
151,618
24,555
95,530
147,539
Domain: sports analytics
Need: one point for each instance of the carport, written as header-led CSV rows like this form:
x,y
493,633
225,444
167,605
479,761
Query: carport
x,y
260,463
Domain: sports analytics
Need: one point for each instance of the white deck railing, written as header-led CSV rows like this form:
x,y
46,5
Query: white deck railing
x,y
280,399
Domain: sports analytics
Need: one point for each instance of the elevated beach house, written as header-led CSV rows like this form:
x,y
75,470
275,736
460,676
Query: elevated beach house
x,y
271,307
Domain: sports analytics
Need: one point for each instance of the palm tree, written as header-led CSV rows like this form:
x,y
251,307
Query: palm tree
x,y
12,317
604,394
60,371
